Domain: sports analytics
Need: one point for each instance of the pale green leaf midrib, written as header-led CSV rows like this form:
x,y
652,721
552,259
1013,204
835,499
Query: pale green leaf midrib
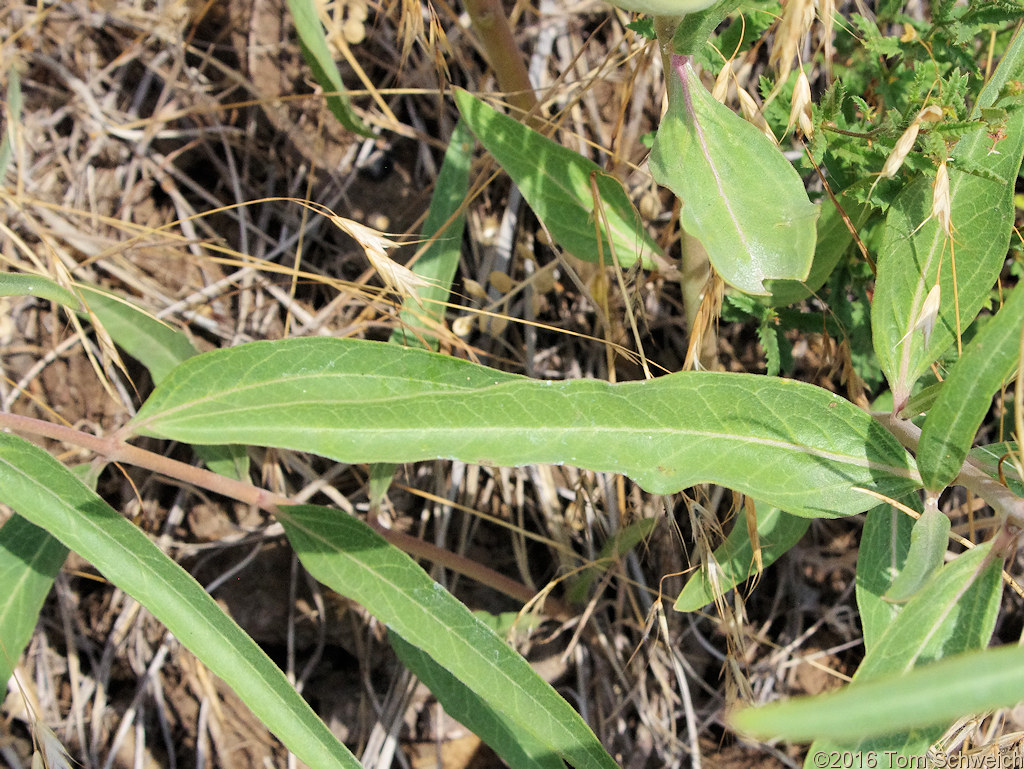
x,y
217,435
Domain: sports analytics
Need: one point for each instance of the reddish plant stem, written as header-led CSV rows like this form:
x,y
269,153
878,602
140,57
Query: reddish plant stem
x,y
115,449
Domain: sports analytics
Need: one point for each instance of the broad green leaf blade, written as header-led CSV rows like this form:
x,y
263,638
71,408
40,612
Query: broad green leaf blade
x,y
928,542
741,198
348,556
966,395
993,457
318,57
777,532
884,543
930,696
516,747
787,443
981,192
697,26
954,613
556,182
29,561
43,491
833,240
438,263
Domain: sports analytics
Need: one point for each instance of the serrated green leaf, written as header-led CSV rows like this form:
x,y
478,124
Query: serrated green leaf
x,y
777,532
349,557
43,491
884,543
928,542
966,395
954,613
30,559
318,56
556,182
788,443
912,254
741,198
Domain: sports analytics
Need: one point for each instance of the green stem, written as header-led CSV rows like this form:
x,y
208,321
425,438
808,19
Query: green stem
x,y
499,45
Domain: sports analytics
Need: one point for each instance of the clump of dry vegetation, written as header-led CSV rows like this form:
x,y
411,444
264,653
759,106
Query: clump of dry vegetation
x,y
160,152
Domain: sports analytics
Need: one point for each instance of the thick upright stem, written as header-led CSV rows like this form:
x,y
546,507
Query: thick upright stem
x,y
495,35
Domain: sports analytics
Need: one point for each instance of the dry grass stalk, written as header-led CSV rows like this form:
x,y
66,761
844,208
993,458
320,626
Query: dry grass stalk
x,y
797,16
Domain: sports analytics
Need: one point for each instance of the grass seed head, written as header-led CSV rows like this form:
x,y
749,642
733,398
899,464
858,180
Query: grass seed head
x,y
752,114
797,16
899,153
940,200
800,111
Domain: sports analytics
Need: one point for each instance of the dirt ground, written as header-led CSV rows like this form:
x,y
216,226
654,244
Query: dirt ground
x,y
157,140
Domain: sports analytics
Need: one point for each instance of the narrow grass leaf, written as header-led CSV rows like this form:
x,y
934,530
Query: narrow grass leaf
x,y
954,613
30,559
516,747
12,119
42,490
318,56
788,443
966,395
556,182
611,553
437,264
884,544
348,556
913,256
741,198
777,532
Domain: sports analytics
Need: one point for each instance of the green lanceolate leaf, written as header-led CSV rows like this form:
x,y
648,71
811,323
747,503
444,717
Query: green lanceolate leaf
x,y
884,543
29,561
788,443
559,186
516,747
319,59
916,253
43,491
348,556
777,532
928,541
697,26
966,395
929,696
741,198
955,612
